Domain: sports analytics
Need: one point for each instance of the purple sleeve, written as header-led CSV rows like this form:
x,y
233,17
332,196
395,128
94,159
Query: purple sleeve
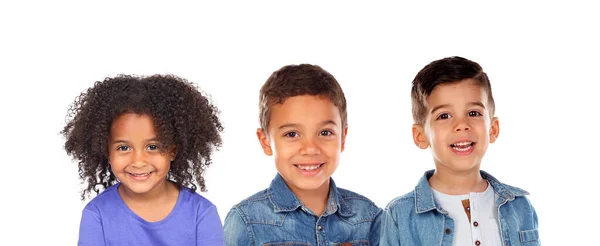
x,y
210,229
90,229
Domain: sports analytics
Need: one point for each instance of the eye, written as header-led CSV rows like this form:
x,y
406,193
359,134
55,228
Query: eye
x,y
326,133
152,147
291,134
443,116
123,148
474,114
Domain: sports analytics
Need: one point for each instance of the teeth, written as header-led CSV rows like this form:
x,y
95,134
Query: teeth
x,y
462,148
308,168
139,174
462,144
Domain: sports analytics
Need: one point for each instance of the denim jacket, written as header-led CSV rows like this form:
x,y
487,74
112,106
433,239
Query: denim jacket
x,y
275,216
417,219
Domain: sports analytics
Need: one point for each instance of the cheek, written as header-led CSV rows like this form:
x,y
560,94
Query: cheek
x,y
162,161
283,149
333,148
432,134
118,161
483,127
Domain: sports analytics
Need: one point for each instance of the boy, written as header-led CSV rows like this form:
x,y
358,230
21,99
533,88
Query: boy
x,y
304,127
457,204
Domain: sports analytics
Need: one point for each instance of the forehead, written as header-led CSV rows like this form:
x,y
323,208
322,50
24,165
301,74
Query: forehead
x,y
131,124
460,92
304,109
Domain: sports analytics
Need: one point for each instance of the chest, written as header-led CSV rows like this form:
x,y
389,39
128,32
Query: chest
x,y
294,230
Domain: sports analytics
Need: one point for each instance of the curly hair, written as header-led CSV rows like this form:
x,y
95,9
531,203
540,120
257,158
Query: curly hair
x,y
183,117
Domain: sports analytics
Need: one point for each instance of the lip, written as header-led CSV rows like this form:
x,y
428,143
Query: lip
x,y
309,169
462,140
461,147
139,176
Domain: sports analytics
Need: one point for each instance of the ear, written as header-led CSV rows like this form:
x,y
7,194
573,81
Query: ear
x,y
173,154
494,129
263,139
419,137
344,138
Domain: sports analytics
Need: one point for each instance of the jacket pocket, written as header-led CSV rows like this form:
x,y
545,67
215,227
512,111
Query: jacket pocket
x,y
529,237
353,243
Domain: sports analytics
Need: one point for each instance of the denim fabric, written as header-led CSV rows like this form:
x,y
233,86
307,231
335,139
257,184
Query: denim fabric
x,y
417,219
275,216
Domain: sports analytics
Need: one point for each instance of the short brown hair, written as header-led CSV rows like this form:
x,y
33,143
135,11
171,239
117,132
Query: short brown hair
x,y
297,80
447,70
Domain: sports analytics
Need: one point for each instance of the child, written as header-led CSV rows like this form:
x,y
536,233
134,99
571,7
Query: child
x,y
304,127
457,204
146,141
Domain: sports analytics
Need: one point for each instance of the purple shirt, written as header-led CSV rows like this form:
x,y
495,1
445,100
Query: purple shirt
x,y
106,220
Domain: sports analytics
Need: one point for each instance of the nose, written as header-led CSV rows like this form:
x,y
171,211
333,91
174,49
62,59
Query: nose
x,y
462,125
139,159
310,146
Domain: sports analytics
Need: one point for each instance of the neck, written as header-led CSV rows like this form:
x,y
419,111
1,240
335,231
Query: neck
x,y
457,183
315,200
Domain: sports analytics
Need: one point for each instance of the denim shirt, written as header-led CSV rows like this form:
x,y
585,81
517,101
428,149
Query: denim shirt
x,y
417,219
275,216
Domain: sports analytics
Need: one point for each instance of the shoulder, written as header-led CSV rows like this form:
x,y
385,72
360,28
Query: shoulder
x,y
516,191
260,198
359,203
189,196
194,204
257,208
402,202
503,188
107,199
260,202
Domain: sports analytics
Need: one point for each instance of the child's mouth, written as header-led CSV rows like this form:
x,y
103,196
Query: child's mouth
x,y
462,148
140,176
309,169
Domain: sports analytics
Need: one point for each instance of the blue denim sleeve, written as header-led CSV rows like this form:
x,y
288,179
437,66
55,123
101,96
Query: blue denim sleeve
x,y
389,229
535,218
90,228
237,231
375,234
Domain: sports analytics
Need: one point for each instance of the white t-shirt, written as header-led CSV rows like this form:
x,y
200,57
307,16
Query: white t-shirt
x,y
483,228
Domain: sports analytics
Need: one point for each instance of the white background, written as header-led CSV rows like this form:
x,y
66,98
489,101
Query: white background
x,y
542,60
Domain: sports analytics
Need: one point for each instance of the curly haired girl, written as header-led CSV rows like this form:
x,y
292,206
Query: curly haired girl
x,y
143,144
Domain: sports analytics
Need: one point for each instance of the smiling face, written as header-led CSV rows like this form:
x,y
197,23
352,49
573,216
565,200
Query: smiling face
x,y
306,137
135,155
458,126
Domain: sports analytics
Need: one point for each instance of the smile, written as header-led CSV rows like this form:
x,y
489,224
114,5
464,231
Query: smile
x,y
309,167
140,176
463,147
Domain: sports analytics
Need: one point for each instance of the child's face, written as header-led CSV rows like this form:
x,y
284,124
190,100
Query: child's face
x,y
135,156
305,136
458,126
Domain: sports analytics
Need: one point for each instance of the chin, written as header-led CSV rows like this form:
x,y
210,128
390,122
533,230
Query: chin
x,y
464,166
304,184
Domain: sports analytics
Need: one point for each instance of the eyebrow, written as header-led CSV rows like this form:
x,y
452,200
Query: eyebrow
x,y
436,108
292,125
125,141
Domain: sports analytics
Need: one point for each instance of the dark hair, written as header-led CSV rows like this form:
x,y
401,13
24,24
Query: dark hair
x,y
447,70
183,118
296,80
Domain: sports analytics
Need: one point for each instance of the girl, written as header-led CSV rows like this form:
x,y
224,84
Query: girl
x,y
145,142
